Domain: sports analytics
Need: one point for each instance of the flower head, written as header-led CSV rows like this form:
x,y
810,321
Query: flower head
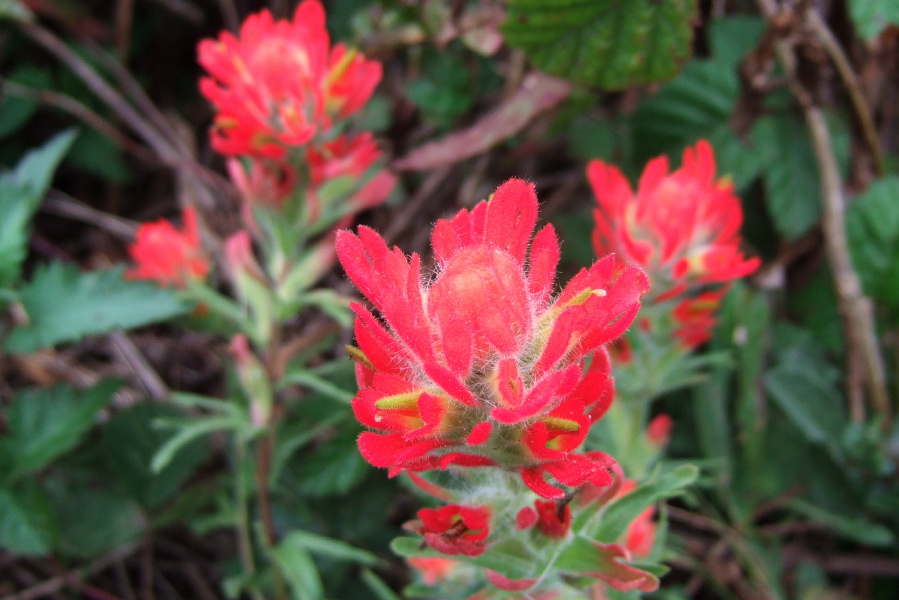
x,y
481,364
683,227
277,83
167,255
695,318
454,529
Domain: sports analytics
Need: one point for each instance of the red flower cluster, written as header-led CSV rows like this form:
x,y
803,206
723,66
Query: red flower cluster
x,y
169,256
277,83
480,365
683,227
553,519
454,529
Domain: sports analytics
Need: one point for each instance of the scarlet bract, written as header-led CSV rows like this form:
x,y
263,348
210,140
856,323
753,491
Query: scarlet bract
x,y
167,255
481,365
277,83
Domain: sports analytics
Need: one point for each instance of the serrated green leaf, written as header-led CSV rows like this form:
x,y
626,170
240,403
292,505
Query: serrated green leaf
x,y
27,526
92,521
21,191
63,305
872,16
298,568
872,226
129,443
609,43
620,513
45,423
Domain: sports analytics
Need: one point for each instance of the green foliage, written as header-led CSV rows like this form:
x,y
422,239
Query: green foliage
x,y
63,305
129,442
94,521
21,191
872,16
872,226
608,43
27,526
45,423
15,112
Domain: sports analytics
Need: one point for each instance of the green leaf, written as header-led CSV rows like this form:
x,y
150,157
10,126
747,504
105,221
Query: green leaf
x,y
331,548
872,16
609,43
21,191
63,305
872,226
99,155
129,443
377,586
856,528
583,556
15,112
334,468
45,423
732,38
26,523
92,521
298,568
188,432
620,513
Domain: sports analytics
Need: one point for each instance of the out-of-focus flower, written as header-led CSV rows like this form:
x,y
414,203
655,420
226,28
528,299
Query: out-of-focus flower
x,y
345,157
480,365
261,181
552,518
658,432
640,536
277,83
433,570
695,318
167,255
240,258
454,529
682,227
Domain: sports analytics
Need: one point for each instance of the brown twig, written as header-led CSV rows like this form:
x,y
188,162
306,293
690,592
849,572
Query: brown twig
x,y
63,205
148,377
850,81
855,309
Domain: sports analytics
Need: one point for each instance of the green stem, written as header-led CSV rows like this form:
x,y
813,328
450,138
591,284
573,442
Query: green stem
x,y
244,541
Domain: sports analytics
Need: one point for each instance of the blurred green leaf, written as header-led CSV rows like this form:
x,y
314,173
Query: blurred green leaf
x,y
731,38
16,111
44,423
298,568
872,226
129,443
188,432
21,191
97,154
331,548
334,467
872,16
856,527
621,512
63,305
377,586
608,43
94,521
27,525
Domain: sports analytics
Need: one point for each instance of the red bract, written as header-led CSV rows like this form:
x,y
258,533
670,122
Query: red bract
x,y
167,255
682,227
277,83
454,529
695,318
480,365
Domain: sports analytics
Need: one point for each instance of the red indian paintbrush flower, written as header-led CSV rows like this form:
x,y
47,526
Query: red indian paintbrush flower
x,y
454,529
480,364
167,255
277,83
682,227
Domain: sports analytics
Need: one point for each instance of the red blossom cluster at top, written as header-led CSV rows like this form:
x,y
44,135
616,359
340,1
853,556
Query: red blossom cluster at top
x,y
167,255
682,227
482,364
278,82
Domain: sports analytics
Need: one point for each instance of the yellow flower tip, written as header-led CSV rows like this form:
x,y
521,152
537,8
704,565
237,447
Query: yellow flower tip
x,y
358,356
561,423
406,401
